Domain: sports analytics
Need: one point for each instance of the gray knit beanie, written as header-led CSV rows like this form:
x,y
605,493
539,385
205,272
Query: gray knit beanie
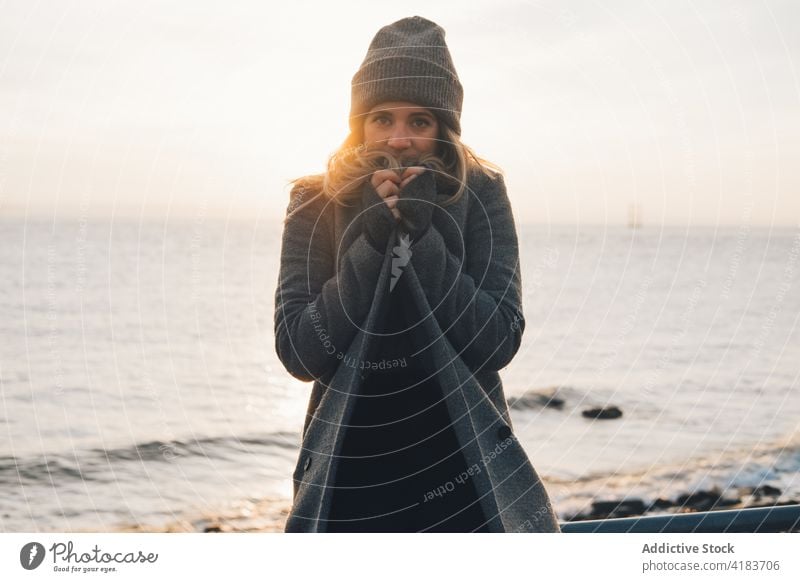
x,y
408,60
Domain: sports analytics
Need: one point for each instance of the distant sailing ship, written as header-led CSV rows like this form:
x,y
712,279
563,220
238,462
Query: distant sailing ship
x,y
634,216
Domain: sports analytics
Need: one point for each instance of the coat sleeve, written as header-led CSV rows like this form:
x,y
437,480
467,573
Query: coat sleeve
x,y
478,301
318,310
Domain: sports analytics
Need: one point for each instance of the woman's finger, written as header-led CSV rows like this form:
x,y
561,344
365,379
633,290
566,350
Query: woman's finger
x,y
407,180
382,176
387,188
413,171
391,201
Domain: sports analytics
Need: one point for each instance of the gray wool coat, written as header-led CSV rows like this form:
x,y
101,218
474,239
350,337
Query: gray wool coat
x,y
463,274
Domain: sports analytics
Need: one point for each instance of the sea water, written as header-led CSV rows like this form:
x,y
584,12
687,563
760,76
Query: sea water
x,y
139,380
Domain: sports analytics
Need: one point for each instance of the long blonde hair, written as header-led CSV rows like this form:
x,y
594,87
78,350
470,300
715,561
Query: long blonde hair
x,y
353,163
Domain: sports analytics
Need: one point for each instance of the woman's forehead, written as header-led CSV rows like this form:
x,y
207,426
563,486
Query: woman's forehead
x,y
404,106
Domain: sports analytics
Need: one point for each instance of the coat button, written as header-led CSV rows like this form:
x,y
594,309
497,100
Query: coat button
x,y
307,464
504,432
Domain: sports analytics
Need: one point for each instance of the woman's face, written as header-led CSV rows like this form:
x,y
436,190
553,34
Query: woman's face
x,y
401,128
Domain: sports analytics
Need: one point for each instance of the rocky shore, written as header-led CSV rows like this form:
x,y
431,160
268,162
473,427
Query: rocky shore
x,y
703,500
259,516
269,515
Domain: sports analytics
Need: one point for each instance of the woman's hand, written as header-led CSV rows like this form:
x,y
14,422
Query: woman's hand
x,y
379,198
410,206
417,200
388,184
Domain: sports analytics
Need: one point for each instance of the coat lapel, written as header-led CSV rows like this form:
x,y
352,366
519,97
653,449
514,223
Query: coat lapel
x,y
510,492
316,470
466,406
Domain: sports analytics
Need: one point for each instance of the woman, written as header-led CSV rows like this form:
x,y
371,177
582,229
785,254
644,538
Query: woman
x,y
400,297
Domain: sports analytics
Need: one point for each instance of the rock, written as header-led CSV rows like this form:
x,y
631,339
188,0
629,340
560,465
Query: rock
x,y
728,500
700,500
660,503
532,399
766,490
622,508
602,412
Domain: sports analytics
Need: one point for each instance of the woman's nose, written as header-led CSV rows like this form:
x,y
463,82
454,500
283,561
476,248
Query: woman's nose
x,y
399,140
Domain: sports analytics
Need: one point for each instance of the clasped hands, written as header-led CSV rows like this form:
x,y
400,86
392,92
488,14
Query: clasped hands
x,y
405,198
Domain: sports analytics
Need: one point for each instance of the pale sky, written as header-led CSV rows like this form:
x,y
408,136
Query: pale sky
x,y
690,109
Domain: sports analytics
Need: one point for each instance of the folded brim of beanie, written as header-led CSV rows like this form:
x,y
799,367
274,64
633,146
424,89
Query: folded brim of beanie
x,y
404,78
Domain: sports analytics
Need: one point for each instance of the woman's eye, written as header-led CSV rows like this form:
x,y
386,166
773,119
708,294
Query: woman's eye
x,y
381,120
421,122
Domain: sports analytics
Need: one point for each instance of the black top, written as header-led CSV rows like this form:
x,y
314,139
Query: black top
x,y
400,458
